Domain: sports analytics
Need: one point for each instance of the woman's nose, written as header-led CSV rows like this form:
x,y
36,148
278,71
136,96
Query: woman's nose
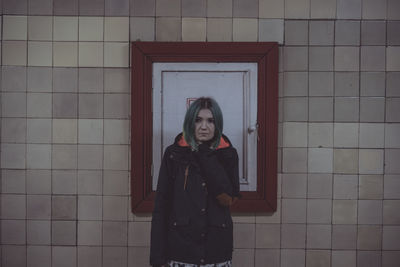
x,y
203,125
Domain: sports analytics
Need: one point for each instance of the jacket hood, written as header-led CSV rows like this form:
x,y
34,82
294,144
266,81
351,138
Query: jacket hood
x,y
223,143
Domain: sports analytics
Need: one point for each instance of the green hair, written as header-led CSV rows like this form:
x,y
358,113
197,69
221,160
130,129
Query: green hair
x,y
190,119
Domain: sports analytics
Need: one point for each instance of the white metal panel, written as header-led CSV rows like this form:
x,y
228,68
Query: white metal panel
x,y
232,85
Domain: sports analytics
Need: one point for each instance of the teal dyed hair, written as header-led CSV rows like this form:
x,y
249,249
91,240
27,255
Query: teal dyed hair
x,y
190,119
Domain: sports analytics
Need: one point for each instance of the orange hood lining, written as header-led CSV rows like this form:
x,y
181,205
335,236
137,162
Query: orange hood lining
x,y
222,143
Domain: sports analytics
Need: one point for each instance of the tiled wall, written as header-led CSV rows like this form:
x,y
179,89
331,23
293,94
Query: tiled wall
x,y
65,129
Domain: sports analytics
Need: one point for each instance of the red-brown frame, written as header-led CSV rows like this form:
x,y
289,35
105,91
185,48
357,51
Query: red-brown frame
x,y
144,54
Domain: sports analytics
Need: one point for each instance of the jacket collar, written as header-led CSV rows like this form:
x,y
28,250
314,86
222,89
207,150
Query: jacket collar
x,y
223,143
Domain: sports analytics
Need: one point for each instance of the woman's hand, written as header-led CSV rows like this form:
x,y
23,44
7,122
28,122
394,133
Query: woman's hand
x,y
225,200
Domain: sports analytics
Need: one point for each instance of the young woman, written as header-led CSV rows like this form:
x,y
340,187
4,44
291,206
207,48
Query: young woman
x,y
198,182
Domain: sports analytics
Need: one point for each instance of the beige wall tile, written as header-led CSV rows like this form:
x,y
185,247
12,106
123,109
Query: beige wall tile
x,y
392,133
294,160
319,236
39,105
15,27
91,28
243,257
13,206
293,257
115,233
274,217
115,256
138,256
345,135
268,235
168,8
294,185
320,160
116,54
370,187
13,156
344,236
267,255
319,185
142,29
271,30
372,9
271,9
116,182
193,29
38,232
13,181
90,207
40,28
65,28
245,30
89,256
64,181
139,233
323,9
392,186
117,80
219,29
14,53
13,232
115,208
391,237
63,256
345,160
293,235
297,9
65,54
344,212
371,161
116,29
320,135
168,29
316,258
90,54
369,237
346,58
244,235
372,135
38,182
90,233
38,156
393,11
370,211
319,211
40,54
90,182
116,132
38,207
65,131
116,157
391,213
64,157
342,258
90,131
90,157
294,210
345,186
294,134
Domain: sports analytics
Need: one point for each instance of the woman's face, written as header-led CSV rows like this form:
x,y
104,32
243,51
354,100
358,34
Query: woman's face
x,y
204,126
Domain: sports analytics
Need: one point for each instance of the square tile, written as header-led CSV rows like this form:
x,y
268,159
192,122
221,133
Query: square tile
x,y
294,185
344,212
370,212
369,258
321,32
194,8
319,236
117,8
392,58
61,7
392,110
90,182
38,232
372,109
347,84
65,105
116,29
13,79
220,8
372,135
372,9
116,54
320,109
15,27
63,208
193,29
64,157
65,131
344,236
371,161
143,8
295,83
38,182
372,83
13,232
245,30
116,131
373,58
219,29
89,233
393,28
320,160
345,135
168,8
40,28
271,30
64,182
15,7
40,54
346,109
348,9
347,32
90,208
293,257
320,135
116,182
320,83
390,214
345,161
63,256
268,236
168,29
63,233
14,53
90,106
319,211
91,28
89,256
294,134
65,54
91,7
115,157
392,132
320,58
65,28
115,256
294,210
142,29
346,58
391,237
294,160
323,9
369,237
90,80
40,7
245,9
270,8
90,157
345,186
13,206
116,106
117,80
65,80
13,181
370,187
295,58
391,158
393,10
13,130
293,235
39,79
90,131
373,32
316,257
14,105
296,32
115,233
38,156
297,9
38,207
90,54
115,208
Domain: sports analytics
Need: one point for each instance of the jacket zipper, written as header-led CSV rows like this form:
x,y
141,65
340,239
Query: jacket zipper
x,y
186,177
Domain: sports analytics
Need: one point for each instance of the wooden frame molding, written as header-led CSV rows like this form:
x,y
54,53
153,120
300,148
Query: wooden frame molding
x,y
144,54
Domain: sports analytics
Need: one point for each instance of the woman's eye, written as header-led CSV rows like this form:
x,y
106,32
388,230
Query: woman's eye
x,y
198,119
210,120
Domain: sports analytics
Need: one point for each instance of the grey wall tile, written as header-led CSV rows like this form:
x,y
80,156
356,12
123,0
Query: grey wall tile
x,y
294,185
13,130
116,106
295,83
295,109
15,7
168,29
13,156
393,30
64,208
90,157
39,79
392,157
346,109
13,181
38,182
14,105
319,185
320,58
38,207
13,79
64,181
38,131
296,32
391,237
40,7
90,233
369,258
393,109
295,58
194,8
142,7
293,235
91,7
63,232
65,80
294,160
168,8
39,105
138,256
116,182
320,109
90,207
294,210
90,106
390,214
369,237
219,8
13,206
245,8
347,83
142,29
63,256
319,236
344,237
316,258
347,32
13,232
116,80
65,105
373,32
64,157
115,256
372,109
62,7
89,256
38,232
372,84
370,187
90,80
117,7
319,211
373,58
115,233
370,211
320,83
345,186
90,182
348,9
321,32
293,257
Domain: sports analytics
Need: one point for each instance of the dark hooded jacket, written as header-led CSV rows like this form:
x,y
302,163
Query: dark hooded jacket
x,y
189,224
